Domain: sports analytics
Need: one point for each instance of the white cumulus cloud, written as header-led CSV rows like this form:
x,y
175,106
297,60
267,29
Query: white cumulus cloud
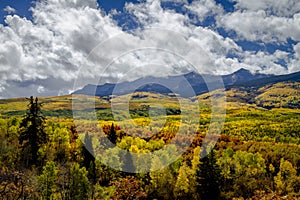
x,y
258,26
9,10
49,53
282,8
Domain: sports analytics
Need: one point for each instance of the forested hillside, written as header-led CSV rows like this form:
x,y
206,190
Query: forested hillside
x,y
46,153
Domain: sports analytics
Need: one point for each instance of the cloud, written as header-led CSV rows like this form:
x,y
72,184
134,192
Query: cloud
x,y
50,53
265,22
265,62
294,65
151,14
204,8
283,8
52,46
176,1
215,46
258,26
9,10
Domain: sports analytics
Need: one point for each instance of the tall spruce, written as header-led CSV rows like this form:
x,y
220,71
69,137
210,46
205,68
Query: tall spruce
x,y
112,136
88,157
208,177
32,135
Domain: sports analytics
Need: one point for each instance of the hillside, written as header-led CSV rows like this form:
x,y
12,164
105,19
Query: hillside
x,y
277,95
259,141
271,95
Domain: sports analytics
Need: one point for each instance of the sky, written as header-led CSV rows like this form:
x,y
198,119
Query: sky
x,y
53,47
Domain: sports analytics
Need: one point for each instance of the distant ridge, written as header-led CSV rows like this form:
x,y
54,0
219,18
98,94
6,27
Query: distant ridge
x,y
176,84
294,77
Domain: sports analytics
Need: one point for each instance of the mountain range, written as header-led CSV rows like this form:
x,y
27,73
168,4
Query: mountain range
x,y
187,85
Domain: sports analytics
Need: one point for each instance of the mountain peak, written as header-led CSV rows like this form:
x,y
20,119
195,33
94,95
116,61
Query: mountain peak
x,y
242,71
175,84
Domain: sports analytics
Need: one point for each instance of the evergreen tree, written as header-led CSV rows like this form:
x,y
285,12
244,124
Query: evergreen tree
x,y
112,136
208,177
88,157
32,135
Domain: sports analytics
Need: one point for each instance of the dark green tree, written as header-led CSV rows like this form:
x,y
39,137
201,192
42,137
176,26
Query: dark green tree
x,y
112,135
32,135
88,157
208,177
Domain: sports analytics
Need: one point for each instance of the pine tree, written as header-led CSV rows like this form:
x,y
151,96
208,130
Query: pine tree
x,y
32,135
112,136
208,177
88,157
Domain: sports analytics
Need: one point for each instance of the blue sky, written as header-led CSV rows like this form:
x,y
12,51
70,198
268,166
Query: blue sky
x,y
22,8
46,49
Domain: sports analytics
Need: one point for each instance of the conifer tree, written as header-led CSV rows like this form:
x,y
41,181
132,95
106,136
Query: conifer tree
x,y
208,177
32,135
112,136
88,157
